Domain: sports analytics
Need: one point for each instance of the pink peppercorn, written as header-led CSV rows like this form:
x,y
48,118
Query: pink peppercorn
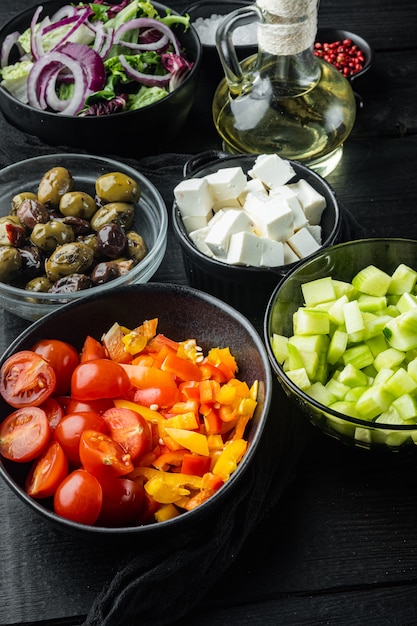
x,y
346,56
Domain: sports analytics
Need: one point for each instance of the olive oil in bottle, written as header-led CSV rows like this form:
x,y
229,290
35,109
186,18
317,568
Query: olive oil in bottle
x,y
283,100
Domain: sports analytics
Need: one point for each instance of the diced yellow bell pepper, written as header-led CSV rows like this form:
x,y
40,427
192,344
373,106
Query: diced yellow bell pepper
x,y
166,512
170,478
228,461
187,421
134,342
195,442
163,492
146,412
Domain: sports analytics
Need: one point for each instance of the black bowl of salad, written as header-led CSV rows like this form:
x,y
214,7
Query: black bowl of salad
x,y
104,77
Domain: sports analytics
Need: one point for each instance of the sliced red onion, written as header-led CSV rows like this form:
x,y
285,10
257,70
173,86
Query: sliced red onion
x,y
107,44
45,69
145,22
81,19
66,11
150,80
9,41
91,62
36,47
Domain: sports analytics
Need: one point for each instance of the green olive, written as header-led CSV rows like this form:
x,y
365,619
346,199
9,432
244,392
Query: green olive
x,y
10,263
136,246
117,187
91,241
12,233
54,183
70,258
39,284
20,197
120,213
78,204
50,235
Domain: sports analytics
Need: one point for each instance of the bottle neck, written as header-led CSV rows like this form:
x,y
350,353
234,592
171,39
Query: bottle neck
x,y
286,35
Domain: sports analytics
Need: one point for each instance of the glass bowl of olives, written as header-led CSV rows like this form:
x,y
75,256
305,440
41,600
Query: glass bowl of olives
x,y
73,225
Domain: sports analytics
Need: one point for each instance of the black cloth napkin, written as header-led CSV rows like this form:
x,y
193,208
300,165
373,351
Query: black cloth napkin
x,y
164,579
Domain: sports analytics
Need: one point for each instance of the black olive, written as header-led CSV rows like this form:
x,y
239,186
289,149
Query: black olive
x,y
31,212
104,272
32,261
111,240
71,283
80,227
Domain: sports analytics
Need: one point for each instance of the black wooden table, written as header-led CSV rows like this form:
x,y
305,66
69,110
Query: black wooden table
x,y
341,545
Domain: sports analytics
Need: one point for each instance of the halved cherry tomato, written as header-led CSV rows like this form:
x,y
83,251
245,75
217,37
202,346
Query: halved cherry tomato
x,y
129,429
122,501
24,434
54,411
79,497
101,378
91,350
68,432
47,472
103,457
26,379
63,357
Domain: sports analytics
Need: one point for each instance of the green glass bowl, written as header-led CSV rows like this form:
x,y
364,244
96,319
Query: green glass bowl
x,y
341,262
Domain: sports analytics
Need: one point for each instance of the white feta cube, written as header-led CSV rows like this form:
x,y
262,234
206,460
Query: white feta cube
x,y
315,230
311,200
293,202
195,222
272,216
198,237
193,197
272,253
303,243
272,170
289,254
231,221
254,185
245,249
226,184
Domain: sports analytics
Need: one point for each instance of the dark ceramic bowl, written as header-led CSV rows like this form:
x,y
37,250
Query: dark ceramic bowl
x,y
149,130
182,313
341,262
151,221
329,35
203,10
244,287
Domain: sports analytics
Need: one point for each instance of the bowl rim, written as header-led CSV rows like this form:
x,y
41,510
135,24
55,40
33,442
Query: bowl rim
x,y
100,119
159,245
188,517
179,229
284,379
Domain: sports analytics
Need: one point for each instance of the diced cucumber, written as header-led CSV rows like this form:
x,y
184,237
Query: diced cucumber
x,y
353,320
279,347
406,406
403,280
373,401
371,304
389,358
352,376
401,331
317,291
360,356
372,281
319,392
311,322
337,346
406,302
299,377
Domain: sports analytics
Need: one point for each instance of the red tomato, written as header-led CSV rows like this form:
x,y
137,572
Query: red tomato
x,y
79,497
97,379
91,350
195,465
164,397
122,501
47,473
129,429
54,411
24,434
68,432
63,357
71,405
26,379
103,457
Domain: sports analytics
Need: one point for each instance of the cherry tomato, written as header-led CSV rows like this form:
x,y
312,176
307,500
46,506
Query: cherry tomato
x,y
129,429
54,411
103,457
122,501
26,379
71,405
91,350
24,434
101,378
163,397
47,472
79,497
63,357
68,432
